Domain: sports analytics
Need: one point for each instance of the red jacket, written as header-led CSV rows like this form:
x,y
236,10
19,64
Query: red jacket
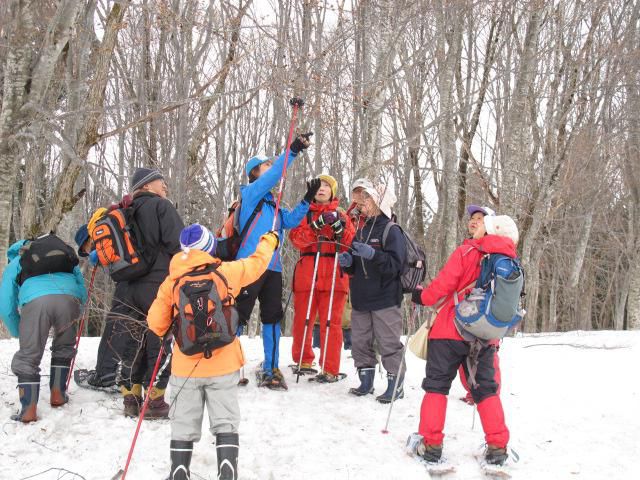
x,y
459,275
305,239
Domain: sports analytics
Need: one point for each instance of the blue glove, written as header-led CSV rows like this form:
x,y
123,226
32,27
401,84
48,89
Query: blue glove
x,y
239,330
93,258
345,260
363,250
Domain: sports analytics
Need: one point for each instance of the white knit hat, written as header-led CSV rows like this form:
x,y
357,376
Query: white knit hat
x,y
503,226
197,237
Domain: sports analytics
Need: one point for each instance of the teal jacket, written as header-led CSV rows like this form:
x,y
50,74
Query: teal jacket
x,y
14,296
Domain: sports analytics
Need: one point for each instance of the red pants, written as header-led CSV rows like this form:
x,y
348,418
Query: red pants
x,y
319,307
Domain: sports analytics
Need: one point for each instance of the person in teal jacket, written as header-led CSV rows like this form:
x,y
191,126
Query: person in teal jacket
x,y
263,176
29,311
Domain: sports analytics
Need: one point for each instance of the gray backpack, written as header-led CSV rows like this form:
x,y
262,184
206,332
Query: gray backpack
x,y
415,263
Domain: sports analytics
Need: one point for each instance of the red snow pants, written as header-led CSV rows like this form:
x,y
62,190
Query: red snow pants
x,y
444,357
319,307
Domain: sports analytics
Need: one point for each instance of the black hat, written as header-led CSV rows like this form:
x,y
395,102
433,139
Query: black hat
x,y
142,176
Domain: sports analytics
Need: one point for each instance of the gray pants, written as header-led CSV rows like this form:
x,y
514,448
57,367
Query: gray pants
x,y
385,326
188,398
36,319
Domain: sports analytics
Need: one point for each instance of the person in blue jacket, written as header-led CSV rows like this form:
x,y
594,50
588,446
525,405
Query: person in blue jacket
x,y
263,176
29,311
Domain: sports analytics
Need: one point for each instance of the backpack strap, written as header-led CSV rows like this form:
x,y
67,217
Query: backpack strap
x,y
387,229
251,218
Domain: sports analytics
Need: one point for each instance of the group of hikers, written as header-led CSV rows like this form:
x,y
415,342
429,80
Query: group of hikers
x,y
183,294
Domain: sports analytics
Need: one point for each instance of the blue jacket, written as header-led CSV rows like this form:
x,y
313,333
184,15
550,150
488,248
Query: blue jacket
x,y
13,296
251,195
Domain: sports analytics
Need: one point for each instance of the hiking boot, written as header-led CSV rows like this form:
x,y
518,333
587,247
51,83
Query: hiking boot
x,y
227,448
132,399
157,407
181,451
387,396
494,455
430,453
366,375
29,392
58,381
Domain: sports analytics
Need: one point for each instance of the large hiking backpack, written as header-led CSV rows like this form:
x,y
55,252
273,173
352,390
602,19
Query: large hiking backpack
x,y
120,245
492,308
415,264
230,236
46,254
203,320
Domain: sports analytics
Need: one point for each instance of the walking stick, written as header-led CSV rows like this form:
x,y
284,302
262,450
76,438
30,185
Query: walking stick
x,y
395,386
306,320
82,320
331,294
296,103
144,408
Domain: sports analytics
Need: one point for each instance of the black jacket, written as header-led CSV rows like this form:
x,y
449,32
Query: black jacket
x,y
375,284
160,225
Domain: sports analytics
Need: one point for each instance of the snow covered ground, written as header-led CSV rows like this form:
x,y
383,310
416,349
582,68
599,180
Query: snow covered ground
x,y
572,403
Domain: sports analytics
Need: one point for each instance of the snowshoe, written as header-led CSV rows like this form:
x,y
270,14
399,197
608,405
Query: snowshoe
x,y
87,379
328,378
305,369
271,381
495,461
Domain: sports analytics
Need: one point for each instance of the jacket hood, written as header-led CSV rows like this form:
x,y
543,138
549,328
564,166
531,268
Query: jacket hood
x,y
494,244
14,250
183,262
327,207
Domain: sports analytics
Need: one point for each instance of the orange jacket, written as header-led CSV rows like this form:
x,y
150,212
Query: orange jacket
x,y
239,274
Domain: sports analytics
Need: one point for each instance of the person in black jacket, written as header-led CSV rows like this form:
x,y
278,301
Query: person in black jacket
x,y
160,225
375,266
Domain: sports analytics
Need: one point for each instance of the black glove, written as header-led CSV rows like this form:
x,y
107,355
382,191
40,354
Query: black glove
x,y
416,296
301,142
338,228
312,188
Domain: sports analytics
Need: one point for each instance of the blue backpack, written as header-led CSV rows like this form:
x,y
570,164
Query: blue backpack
x,y
493,307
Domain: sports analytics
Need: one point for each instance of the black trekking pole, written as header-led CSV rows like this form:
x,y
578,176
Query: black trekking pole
x,y
395,385
306,320
331,294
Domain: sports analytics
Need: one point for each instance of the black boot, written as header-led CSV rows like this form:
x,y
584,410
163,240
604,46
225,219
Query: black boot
x,y
495,455
29,392
366,375
58,381
386,397
181,451
227,447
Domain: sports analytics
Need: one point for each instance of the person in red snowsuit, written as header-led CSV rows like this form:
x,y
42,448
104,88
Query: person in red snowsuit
x,y
326,228
447,350
468,398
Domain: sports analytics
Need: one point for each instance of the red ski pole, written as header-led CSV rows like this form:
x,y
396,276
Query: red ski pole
x,y
296,103
82,320
144,409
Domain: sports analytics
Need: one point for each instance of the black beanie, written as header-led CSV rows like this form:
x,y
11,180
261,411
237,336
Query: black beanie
x,y
142,176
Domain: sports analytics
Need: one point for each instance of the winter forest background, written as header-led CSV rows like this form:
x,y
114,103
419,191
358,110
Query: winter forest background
x,y
531,107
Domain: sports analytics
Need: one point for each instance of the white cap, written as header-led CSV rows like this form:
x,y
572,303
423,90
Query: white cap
x,y
503,226
362,183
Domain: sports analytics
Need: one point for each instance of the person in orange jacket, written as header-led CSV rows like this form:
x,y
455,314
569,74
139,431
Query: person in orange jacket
x,y
326,229
198,380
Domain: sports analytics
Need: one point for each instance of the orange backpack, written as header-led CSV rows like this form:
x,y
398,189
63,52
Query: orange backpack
x,y
204,320
119,245
230,236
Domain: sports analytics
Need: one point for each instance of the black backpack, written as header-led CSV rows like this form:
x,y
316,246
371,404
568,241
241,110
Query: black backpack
x,y
415,264
46,254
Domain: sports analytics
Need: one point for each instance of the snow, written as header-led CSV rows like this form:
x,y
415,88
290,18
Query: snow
x,y
571,400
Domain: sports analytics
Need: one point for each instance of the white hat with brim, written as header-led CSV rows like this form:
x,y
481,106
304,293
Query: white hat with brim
x,y
362,183
383,197
503,226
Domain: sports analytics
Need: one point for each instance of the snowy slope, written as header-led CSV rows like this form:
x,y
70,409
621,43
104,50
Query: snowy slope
x,y
572,403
